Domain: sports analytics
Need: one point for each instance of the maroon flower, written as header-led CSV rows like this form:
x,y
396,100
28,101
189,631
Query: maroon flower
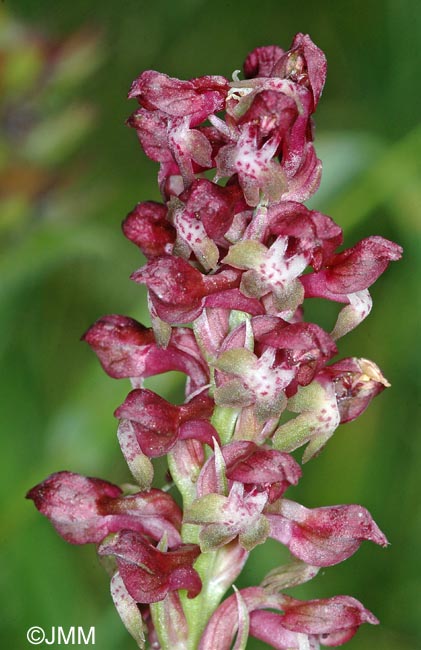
x,y
148,573
214,206
181,150
333,621
353,270
258,468
188,147
305,64
261,61
178,290
304,180
329,622
322,536
267,626
308,231
173,281
126,348
170,110
304,347
147,227
196,98
230,616
152,131
84,510
273,113
158,425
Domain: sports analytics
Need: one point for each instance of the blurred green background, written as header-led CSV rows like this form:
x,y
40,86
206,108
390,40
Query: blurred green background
x,y
70,171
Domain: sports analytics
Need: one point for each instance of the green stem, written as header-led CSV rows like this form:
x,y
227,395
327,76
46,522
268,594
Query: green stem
x,y
224,419
157,613
198,610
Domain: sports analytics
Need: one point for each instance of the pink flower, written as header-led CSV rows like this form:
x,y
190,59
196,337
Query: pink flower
x,y
308,231
272,270
322,536
222,518
353,270
259,468
147,227
214,206
329,622
148,573
126,348
244,379
332,620
258,172
304,347
84,510
285,356
158,424
196,98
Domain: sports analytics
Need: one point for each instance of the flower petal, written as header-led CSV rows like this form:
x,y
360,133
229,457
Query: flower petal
x,y
325,616
147,227
149,574
261,61
354,269
85,510
323,536
126,348
155,421
197,98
